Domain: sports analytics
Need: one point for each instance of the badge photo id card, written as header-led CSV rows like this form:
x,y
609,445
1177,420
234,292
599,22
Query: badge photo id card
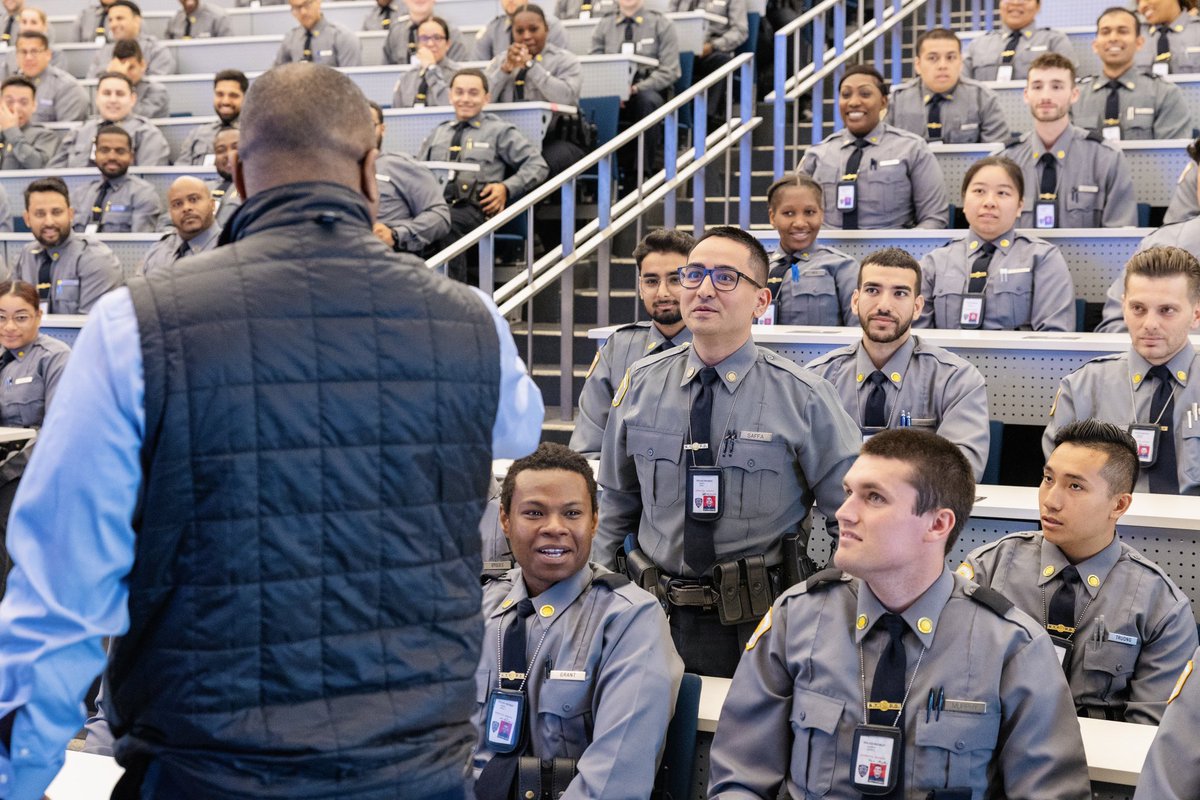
x,y
972,311
505,718
1043,215
1112,133
768,317
1146,437
706,501
1063,649
1004,72
847,197
870,430
873,759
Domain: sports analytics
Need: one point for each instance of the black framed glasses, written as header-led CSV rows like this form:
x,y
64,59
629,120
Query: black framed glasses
x,y
724,279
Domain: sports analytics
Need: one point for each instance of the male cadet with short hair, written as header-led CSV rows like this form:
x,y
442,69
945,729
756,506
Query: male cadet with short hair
x,y
318,39
509,164
892,379
224,190
192,211
401,44
1073,178
23,144
10,11
383,15
70,272
60,97
1152,388
497,35
1184,235
199,19
598,674
229,89
939,103
115,100
118,202
891,675
429,83
1171,771
713,456
125,22
1122,628
412,214
658,256
1006,54
90,23
1124,102
153,101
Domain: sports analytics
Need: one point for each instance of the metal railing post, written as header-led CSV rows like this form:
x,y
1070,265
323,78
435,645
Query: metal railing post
x,y
699,135
670,163
745,147
487,263
779,109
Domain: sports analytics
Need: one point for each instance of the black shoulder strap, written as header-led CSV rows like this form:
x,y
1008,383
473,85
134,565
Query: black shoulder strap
x,y
612,580
993,600
1095,136
821,578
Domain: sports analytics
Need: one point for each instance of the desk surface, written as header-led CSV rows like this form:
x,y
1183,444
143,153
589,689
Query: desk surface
x,y
85,777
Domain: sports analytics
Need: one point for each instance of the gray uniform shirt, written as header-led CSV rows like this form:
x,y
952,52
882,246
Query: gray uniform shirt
x,y
816,288
556,77
400,47
227,199
1124,593
30,147
793,706
197,148
613,720
653,36
332,45
150,148
1171,771
1029,285
153,100
941,391
60,98
411,201
1183,35
436,90
1185,235
89,25
165,252
791,444
502,152
496,37
1150,107
727,35
132,205
576,9
1095,187
207,21
981,59
970,112
627,345
1184,204
83,270
27,383
381,18
6,216
899,182
159,58
1114,388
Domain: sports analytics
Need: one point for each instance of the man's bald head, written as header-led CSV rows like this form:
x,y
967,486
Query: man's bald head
x,y
191,207
324,138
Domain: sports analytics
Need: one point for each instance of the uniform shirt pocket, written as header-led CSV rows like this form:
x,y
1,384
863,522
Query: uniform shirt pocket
x,y
1012,296
1083,205
118,219
657,454
65,296
947,296
564,711
813,299
24,401
1108,668
1189,457
885,191
754,474
815,720
828,172
956,749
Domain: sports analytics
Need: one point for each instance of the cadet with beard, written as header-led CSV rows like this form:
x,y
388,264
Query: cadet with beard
x,y
891,378
192,209
229,89
224,193
659,256
118,202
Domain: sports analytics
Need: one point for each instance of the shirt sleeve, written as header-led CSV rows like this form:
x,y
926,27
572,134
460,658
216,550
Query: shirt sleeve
x,y
1113,318
349,51
929,190
518,425
1184,204
71,104
1165,650
1120,208
72,545
1053,294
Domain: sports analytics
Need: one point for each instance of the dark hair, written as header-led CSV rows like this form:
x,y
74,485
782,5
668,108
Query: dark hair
x,y
41,37
937,470
1120,469
128,48
1193,150
892,257
232,75
48,185
1166,262
26,291
1005,163
663,240
378,109
103,76
871,72
114,130
549,455
1052,60
18,80
471,72
441,23
1137,23
132,6
936,34
798,181
532,9
759,261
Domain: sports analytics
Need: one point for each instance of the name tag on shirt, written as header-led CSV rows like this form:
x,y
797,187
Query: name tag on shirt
x,y
627,48
647,40
1120,638
116,207
325,53
890,162
568,675
1038,48
1133,111
1193,50
1004,72
91,227
756,436
29,379
1111,133
1083,187
969,126
46,103
480,145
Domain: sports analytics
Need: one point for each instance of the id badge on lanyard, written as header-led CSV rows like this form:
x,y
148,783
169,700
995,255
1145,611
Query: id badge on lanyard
x,y
705,493
505,720
1004,72
768,317
847,196
1146,437
1043,214
875,758
972,311
1063,648
870,430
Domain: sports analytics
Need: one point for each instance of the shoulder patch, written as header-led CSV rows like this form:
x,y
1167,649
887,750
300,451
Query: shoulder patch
x,y
992,599
1054,405
592,368
764,625
786,364
966,570
621,390
1014,139
1183,679
823,578
611,580
992,545
633,326
1095,136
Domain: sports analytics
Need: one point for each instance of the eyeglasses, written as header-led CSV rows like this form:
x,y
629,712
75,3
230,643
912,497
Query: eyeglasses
x,y
434,39
23,53
653,282
19,318
724,279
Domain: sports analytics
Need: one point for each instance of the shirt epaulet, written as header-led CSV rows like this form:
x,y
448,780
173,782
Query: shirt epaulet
x,y
992,599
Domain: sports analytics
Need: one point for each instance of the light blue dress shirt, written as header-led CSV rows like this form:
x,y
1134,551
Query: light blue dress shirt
x,y
72,541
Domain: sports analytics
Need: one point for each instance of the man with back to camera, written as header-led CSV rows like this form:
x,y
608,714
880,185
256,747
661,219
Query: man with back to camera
x,y
318,39
229,90
355,707
892,378
713,456
224,192
658,257
965,698
412,212
1123,629
117,202
192,210
1150,389
24,144
125,22
115,99
1006,53
60,97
